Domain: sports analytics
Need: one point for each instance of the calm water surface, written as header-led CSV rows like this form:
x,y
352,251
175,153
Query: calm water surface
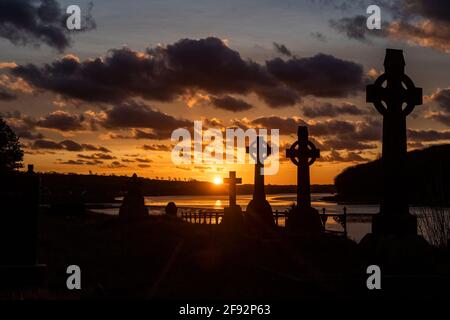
x,y
281,202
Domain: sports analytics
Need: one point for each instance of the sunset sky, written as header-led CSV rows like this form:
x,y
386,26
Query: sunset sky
x,y
106,99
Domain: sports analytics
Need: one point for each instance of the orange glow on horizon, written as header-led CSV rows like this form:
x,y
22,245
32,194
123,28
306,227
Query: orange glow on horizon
x,y
217,180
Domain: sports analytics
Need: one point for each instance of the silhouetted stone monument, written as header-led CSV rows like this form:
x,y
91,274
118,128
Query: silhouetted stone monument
x,y
19,198
259,212
303,218
133,205
171,209
394,243
394,216
232,215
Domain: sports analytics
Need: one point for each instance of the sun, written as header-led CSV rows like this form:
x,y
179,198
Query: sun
x,y
217,180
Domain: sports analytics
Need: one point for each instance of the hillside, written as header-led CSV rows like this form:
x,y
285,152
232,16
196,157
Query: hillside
x,y
428,177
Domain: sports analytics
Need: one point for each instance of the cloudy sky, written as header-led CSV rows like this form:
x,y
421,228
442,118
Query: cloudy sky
x,y
106,99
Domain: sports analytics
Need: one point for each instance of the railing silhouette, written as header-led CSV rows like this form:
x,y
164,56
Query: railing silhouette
x,y
201,216
214,216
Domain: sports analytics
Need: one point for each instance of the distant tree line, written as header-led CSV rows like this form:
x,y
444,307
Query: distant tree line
x,y
104,188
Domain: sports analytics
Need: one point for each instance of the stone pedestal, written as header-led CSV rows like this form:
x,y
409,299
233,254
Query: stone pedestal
x,y
259,214
397,254
233,220
171,209
305,221
133,205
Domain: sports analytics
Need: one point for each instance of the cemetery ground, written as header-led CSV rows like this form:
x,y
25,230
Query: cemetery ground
x,y
161,257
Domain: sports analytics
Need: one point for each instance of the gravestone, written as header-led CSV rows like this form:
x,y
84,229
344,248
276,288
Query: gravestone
x,y
303,218
394,243
19,198
171,209
232,215
259,212
133,204
394,217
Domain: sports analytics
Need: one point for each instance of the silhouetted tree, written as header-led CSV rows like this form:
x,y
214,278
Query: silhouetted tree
x,y
427,178
11,154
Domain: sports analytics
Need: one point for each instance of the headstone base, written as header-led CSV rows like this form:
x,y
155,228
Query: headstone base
x,y
232,219
305,221
389,224
133,207
397,254
259,215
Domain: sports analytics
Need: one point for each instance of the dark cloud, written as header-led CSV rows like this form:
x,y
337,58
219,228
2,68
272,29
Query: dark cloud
x,y
61,120
96,156
137,115
6,96
428,33
443,118
279,96
166,73
370,129
319,36
282,49
27,134
116,165
162,73
420,22
143,160
331,110
72,162
321,75
432,9
287,126
343,5
442,98
332,127
136,134
24,22
81,162
23,126
326,135
144,165
356,28
157,147
90,147
428,135
71,145
335,156
230,103
68,145
347,144
46,144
